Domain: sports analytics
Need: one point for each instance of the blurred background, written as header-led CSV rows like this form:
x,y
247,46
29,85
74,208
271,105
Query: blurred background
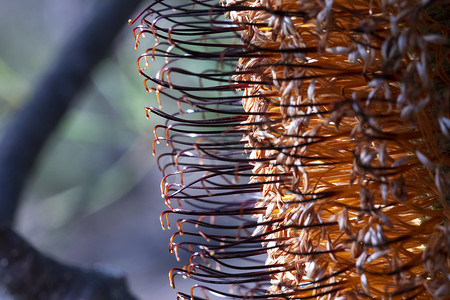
x,y
93,199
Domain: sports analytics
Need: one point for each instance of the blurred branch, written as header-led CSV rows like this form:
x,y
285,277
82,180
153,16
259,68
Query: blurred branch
x,y
26,274
33,124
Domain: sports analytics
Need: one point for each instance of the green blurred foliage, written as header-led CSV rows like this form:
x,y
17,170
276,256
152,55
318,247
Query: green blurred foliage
x,y
94,139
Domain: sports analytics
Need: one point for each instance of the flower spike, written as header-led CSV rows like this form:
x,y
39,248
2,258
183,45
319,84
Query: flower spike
x,y
308,145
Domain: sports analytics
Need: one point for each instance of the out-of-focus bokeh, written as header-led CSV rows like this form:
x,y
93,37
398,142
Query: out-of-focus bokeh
x,y
94,198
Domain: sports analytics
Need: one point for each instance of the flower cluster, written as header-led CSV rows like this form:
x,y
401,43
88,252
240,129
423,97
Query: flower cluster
x,y
309,145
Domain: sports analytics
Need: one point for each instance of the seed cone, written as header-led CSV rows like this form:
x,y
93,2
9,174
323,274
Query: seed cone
x,y
312,161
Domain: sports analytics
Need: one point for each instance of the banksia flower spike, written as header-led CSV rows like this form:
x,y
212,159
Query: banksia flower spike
x,y
308,145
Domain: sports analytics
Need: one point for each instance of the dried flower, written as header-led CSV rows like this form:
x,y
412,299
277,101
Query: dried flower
x,y
312,160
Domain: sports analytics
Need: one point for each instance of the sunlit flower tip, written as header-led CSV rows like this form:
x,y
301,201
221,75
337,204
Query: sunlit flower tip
x,y
308,145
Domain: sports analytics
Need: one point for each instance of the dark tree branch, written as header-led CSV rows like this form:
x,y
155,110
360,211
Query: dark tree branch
x,y
26,274
32,125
